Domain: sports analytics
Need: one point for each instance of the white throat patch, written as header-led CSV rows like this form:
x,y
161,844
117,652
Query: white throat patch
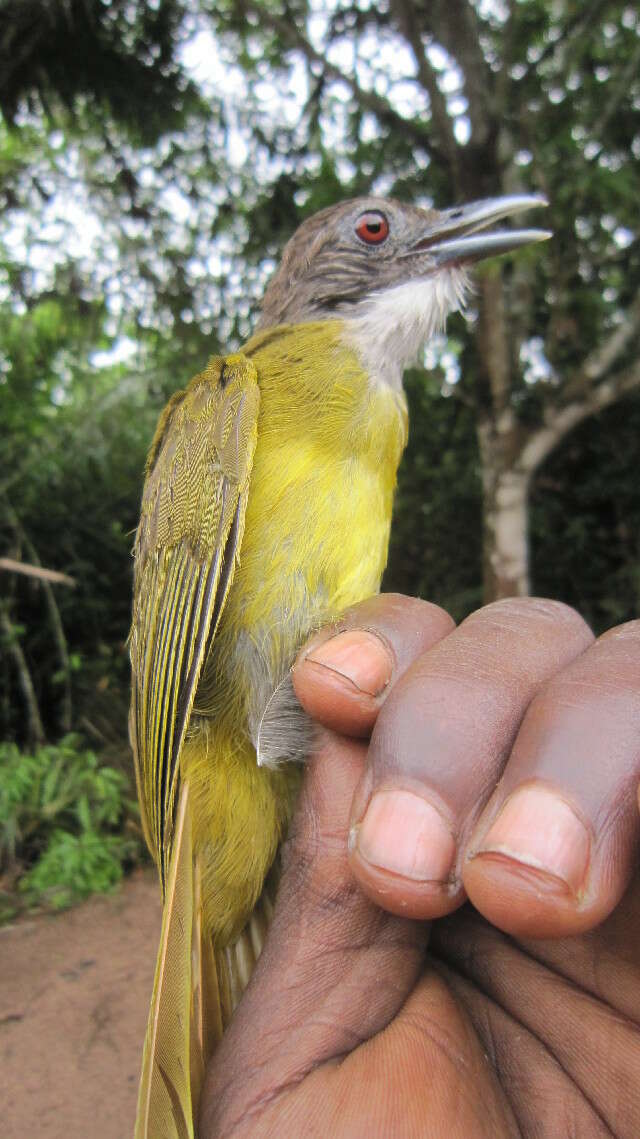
x,y
390,327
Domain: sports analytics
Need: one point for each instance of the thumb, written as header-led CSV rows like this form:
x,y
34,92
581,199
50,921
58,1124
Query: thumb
x,y
335,969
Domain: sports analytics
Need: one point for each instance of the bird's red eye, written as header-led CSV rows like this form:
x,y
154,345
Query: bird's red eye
x,y
372,228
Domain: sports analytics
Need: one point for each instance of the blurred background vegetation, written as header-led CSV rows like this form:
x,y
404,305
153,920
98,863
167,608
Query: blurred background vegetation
x,y
154,157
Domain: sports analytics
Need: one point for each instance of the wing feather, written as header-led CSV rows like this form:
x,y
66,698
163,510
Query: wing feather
x,y
186,549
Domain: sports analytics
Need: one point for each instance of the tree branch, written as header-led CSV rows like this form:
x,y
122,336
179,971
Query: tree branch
x,y
620,91
47,577
455,25
290,35
405,15
559,421
585,17
600,361
589,391
44,575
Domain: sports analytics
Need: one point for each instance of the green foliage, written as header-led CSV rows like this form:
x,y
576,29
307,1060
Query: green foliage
x,y
67,825
74,866
68,55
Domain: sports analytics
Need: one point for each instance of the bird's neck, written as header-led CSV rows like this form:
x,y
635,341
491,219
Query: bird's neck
x,y
388,329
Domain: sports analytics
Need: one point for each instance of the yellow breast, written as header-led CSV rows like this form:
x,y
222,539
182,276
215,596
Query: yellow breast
x,y
319,510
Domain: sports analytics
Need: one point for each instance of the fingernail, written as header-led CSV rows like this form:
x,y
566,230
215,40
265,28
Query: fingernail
x,y
405,834
361,658
540,830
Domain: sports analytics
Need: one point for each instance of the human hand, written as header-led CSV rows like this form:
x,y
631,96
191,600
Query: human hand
x,y
351,1026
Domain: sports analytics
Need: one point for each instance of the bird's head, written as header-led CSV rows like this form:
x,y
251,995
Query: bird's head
x,y
391,271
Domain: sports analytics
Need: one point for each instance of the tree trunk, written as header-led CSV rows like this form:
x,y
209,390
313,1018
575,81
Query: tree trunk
x,y
505,522
510,457
35,729
55,620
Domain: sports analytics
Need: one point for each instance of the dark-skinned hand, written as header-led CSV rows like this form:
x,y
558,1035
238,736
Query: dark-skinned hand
x,y
455,951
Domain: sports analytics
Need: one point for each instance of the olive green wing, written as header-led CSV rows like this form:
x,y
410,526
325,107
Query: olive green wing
x,y
186,549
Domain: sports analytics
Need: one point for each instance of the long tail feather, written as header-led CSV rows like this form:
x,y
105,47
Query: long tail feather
x,y
165,1105
195,992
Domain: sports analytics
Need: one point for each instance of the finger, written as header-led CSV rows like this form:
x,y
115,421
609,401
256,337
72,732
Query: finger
x,y
344,673
335,968
440,743
555,848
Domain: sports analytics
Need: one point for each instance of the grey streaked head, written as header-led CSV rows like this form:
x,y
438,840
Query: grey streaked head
x,y
348,252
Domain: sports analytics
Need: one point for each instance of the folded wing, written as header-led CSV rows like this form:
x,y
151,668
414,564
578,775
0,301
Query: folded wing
x,y
190,531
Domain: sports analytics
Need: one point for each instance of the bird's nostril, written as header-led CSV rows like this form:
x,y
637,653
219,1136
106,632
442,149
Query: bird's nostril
x,y
456,214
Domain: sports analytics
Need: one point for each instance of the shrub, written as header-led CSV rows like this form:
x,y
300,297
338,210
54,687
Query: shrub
x,y
68,825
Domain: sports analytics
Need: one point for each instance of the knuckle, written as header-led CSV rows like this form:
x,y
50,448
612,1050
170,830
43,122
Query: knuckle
x,y
538,610
530,637
609,672
416,607
627,635
396,611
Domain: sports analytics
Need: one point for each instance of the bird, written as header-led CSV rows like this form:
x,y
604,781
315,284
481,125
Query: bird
x,y
266,512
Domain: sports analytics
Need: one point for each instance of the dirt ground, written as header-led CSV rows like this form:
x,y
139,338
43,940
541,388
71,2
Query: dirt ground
x,y
74,993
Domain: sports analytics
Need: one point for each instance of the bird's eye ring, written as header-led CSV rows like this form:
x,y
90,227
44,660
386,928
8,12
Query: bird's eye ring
x,y
372,227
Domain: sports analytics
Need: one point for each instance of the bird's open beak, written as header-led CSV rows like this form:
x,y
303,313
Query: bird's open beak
x,y
462,234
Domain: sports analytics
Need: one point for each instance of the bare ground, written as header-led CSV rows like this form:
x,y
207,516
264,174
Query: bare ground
x,y
74,994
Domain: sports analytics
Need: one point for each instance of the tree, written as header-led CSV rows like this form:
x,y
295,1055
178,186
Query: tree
x,y
90,277
473,99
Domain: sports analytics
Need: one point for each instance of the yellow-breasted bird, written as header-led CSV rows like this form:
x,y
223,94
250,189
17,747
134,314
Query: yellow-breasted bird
x,y
265,513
